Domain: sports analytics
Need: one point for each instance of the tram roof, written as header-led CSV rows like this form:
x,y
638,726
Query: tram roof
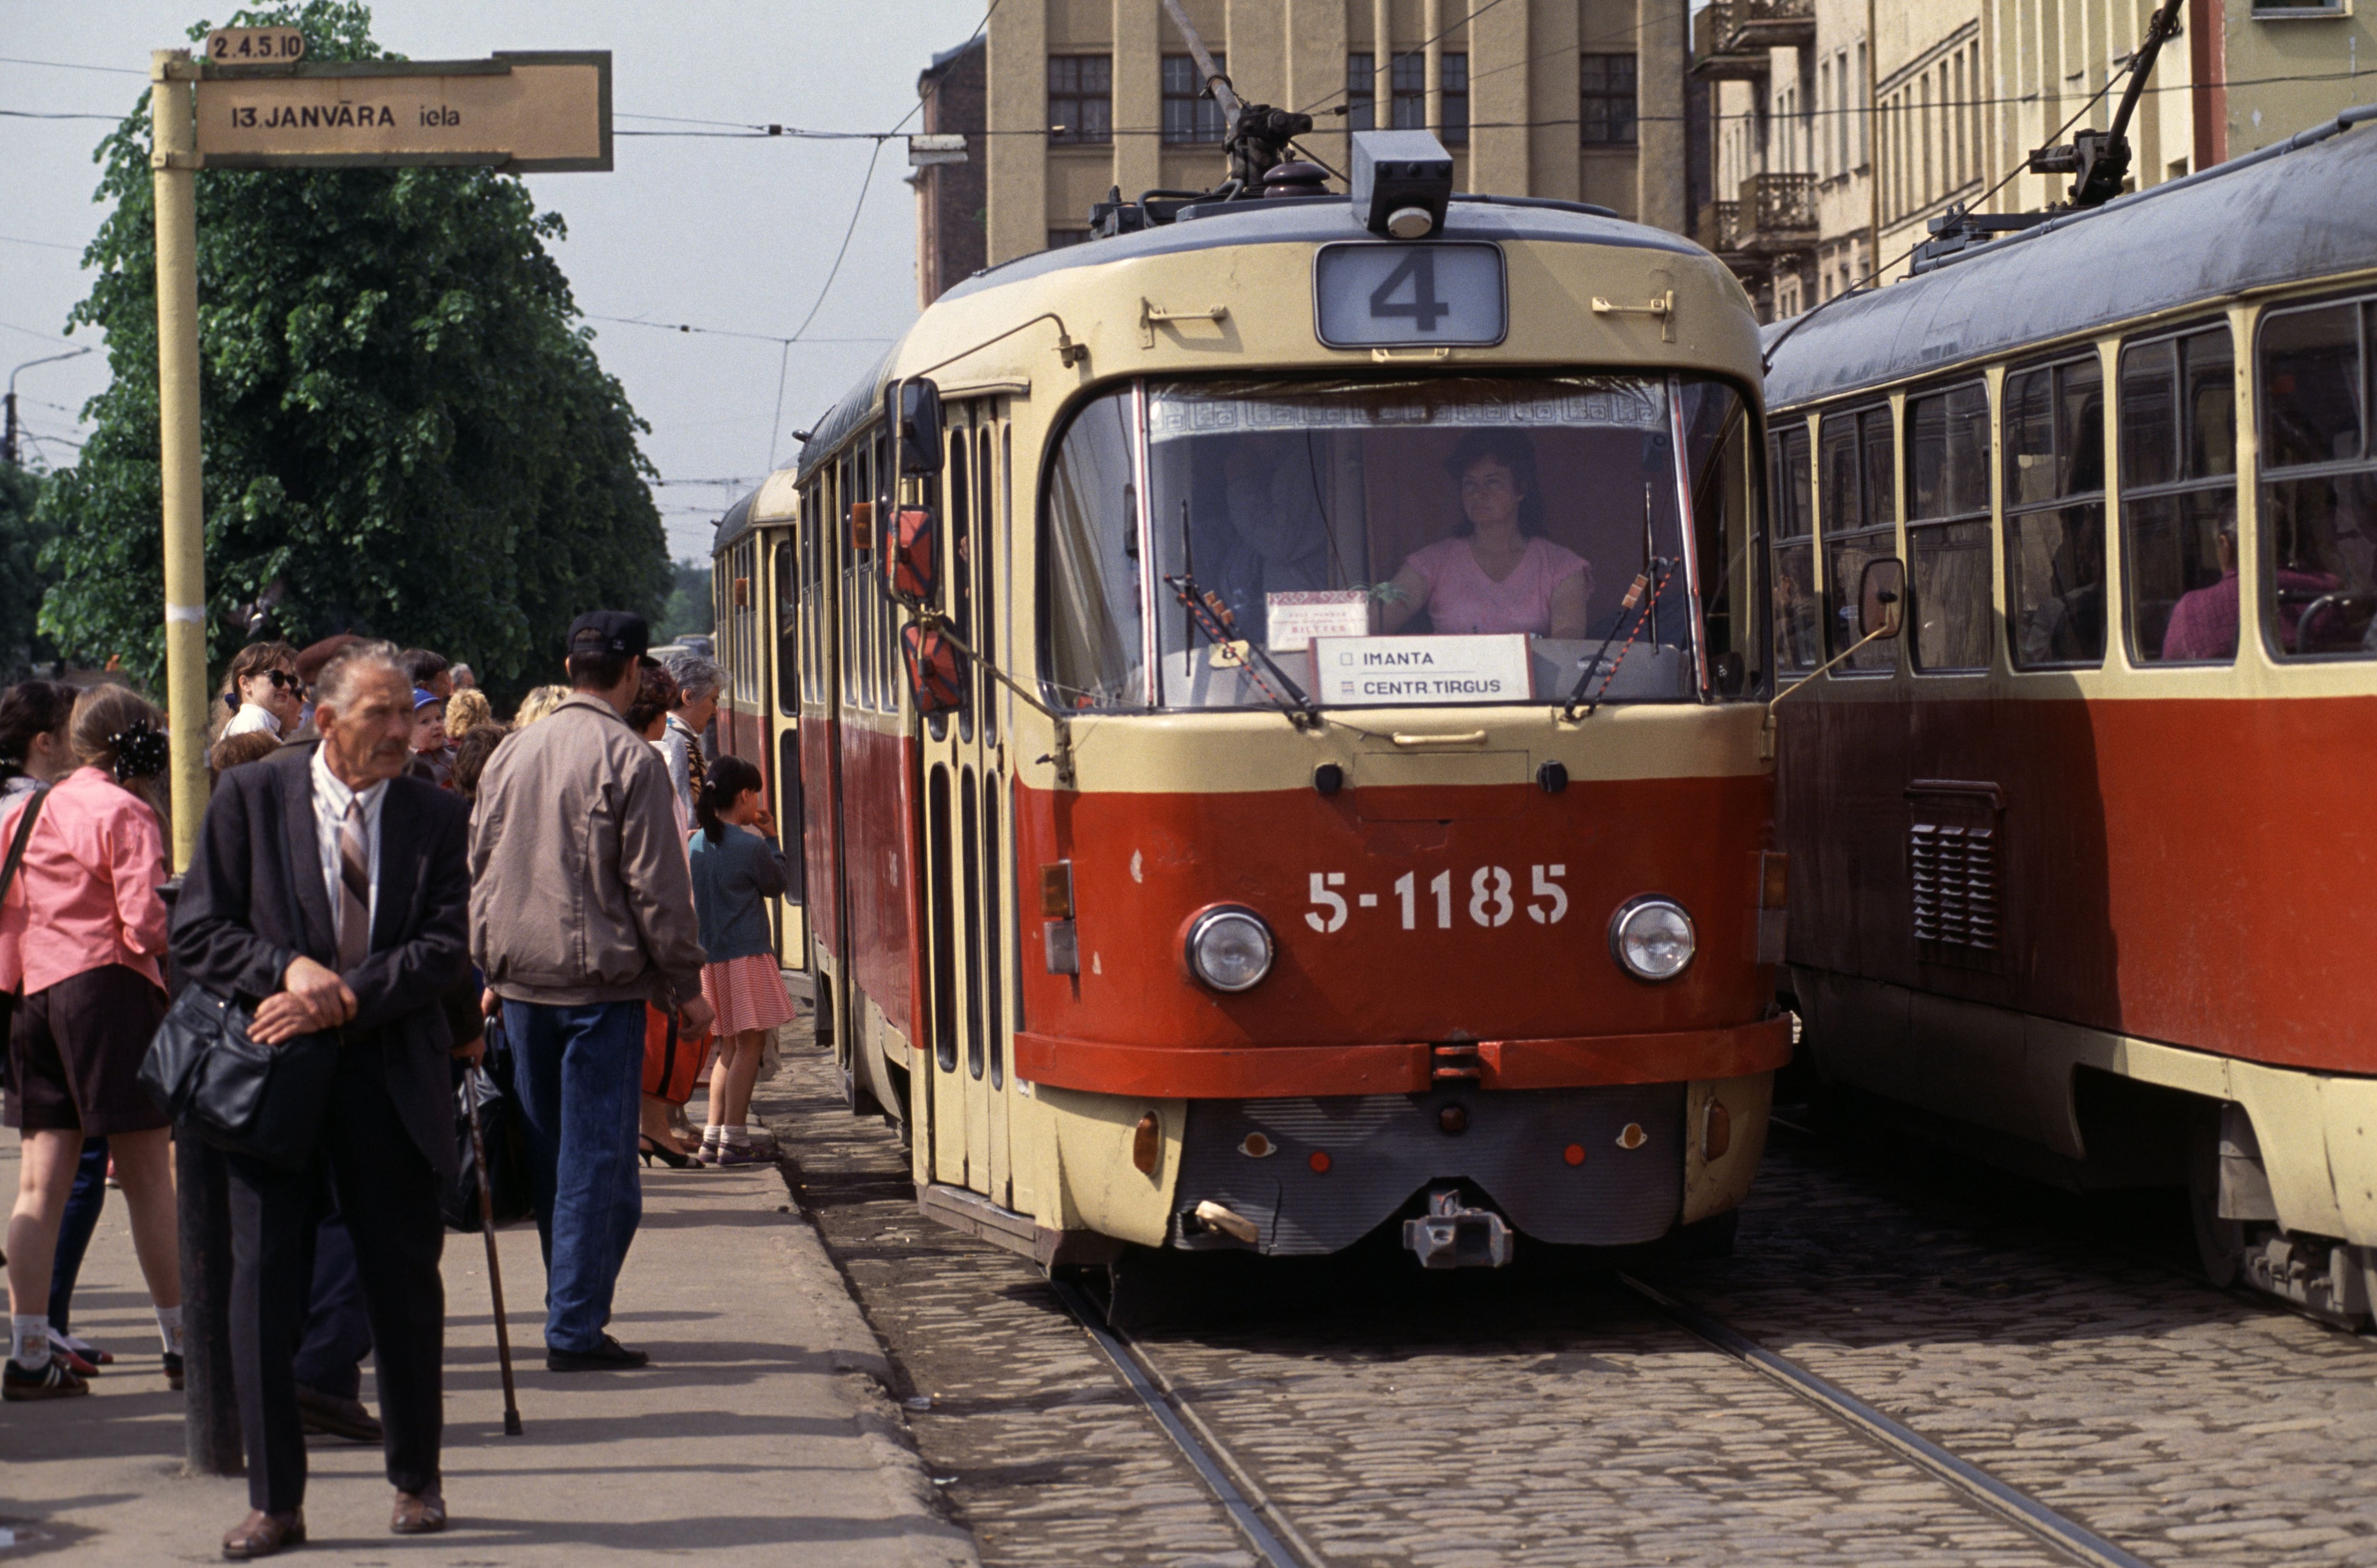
x,y
1296,220
2206,237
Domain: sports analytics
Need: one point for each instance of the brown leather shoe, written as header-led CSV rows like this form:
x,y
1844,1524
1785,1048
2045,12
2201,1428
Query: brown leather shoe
x,y
262,1534
417,1514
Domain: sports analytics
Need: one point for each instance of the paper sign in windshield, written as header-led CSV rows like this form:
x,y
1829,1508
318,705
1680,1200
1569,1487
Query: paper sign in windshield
x,y
1294,619
1383,671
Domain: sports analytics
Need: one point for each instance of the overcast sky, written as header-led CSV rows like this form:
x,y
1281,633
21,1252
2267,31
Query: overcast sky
x,y
734,235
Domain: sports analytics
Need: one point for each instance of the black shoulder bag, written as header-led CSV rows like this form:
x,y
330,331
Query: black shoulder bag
x,y
206,1071
24,835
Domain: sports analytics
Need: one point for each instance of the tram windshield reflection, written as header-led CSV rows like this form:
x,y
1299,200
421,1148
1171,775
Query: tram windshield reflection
x,y
1477,537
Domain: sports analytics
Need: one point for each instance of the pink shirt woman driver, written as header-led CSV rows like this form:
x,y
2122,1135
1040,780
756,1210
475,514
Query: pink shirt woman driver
x,y
1497,573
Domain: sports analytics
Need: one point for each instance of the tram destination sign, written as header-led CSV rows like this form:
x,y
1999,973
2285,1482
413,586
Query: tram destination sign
x,y
524,112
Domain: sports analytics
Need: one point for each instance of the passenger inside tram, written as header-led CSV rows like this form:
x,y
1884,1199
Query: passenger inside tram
x,y
1310,513
1497,572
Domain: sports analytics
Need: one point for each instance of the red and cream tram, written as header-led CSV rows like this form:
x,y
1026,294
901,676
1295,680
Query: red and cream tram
x,y
2081,864
1164,892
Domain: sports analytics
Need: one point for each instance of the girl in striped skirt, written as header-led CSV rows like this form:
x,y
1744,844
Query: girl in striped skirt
x,y
736,867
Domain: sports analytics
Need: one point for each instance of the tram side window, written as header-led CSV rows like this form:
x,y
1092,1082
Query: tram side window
x,y
1948,526
2055,515
1799,614
2179,498
1094,653
846,620
788,631
2318,513
1858,496
992,556
1717,447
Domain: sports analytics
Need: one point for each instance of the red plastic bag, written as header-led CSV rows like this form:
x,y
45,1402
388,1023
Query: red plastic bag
x,y
672,1067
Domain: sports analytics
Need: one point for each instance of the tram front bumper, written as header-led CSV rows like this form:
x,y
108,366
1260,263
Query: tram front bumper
x,y
1602,1166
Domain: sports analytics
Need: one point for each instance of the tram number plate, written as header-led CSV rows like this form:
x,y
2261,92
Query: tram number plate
x,y
1490,899
1383,295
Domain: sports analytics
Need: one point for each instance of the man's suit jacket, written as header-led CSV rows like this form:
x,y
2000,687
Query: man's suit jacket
x,y
253,899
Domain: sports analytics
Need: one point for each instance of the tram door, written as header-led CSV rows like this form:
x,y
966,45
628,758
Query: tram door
x,y
968,893
780,729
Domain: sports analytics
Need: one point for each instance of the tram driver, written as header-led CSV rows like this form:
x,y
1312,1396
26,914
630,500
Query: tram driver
x,y
1497,572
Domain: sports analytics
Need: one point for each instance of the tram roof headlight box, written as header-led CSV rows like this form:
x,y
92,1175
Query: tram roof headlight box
x,y
1403,181
1652,938
1229,949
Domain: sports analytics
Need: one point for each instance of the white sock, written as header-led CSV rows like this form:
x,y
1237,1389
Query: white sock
x,y
736,1135
169,1326
29,1340
713,1133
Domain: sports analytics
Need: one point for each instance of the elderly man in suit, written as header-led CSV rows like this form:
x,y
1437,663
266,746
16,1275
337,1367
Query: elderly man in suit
x,y
330,893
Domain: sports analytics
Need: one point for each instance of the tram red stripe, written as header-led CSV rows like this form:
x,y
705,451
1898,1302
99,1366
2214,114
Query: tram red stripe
x,y
1171,1071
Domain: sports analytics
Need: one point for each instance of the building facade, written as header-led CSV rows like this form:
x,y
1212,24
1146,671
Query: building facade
x,y
1841,129
1581,100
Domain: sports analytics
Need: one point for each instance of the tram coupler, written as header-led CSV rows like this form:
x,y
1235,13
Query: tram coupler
x,y
1452,1236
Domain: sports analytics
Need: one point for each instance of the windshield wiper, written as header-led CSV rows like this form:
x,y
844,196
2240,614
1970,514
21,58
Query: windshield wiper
x,y
1655,573
1213,618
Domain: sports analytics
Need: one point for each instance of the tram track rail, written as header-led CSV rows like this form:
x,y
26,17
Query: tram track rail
x,y
1274,1538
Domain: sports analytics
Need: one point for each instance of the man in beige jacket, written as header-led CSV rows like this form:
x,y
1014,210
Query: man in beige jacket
x,y
582,910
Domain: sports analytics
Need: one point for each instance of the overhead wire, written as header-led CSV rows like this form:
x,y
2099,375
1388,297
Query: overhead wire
x,y
1766,355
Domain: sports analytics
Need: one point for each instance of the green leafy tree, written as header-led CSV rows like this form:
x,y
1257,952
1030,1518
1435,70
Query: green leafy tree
x,y
22,581
688,603
406,432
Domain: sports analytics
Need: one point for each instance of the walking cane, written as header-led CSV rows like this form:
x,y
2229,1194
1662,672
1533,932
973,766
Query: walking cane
x,y
494,1267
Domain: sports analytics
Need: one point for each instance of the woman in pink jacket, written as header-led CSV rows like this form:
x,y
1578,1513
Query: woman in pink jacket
x,y
82,931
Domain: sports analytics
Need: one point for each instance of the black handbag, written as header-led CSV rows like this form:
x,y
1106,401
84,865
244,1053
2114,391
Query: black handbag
x,y
500,1130
206,1071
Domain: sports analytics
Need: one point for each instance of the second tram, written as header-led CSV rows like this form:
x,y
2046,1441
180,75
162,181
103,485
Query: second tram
x,y
2079,863
1278,713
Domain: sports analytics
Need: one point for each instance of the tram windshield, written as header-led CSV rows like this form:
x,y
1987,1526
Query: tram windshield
x,y
1447,540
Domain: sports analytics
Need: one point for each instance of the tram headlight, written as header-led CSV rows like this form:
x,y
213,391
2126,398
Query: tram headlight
x,y
1652,938
1229,949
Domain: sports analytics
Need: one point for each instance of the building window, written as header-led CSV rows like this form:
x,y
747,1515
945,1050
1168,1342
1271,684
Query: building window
x,y
1080,100
1408,74
1607,110
1453,74
1361,92
1190,116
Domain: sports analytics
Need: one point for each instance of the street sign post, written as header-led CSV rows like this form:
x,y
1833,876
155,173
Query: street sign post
x,y
253,101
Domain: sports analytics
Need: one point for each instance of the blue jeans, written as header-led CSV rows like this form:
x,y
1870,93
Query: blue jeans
x,y
578,1077
90,1196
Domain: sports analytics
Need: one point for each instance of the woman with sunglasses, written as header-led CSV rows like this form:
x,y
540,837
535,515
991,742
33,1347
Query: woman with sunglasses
x,y
264,689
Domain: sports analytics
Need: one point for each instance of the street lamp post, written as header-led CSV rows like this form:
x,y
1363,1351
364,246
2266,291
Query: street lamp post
x,y
8,454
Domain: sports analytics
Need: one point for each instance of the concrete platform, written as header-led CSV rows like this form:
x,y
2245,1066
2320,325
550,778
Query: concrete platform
x,y
760,1433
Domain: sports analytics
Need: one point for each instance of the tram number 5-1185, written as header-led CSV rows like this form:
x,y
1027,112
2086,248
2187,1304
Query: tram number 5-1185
x,y
1493,900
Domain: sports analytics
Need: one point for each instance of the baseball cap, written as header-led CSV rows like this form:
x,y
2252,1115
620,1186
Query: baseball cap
x,y
599,632
421,699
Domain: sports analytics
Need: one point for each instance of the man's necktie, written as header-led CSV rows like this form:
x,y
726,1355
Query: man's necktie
x,y
697,772
354,890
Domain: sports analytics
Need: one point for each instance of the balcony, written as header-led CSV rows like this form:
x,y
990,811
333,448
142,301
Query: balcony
x,y
1719,228
1776,215
1772,24
1715,55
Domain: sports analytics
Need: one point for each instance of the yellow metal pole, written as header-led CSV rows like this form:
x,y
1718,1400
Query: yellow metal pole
x,y
174,160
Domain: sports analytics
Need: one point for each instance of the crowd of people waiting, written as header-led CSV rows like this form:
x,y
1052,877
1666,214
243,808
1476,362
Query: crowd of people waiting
x,y
381,857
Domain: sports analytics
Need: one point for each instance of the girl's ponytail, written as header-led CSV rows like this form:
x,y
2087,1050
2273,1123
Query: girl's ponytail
x,y
728,778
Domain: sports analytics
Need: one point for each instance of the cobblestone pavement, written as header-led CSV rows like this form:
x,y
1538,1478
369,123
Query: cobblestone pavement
x,y
1542,1415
